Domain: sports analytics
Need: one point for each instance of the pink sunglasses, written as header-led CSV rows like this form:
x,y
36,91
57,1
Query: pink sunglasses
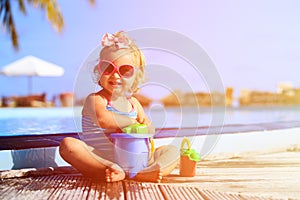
x,y
106,67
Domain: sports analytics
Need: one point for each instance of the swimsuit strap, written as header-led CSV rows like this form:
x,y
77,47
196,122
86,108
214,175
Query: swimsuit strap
x,y
128,98
132,113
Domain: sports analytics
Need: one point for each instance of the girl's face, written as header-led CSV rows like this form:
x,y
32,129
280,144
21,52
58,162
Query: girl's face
x,y
117,75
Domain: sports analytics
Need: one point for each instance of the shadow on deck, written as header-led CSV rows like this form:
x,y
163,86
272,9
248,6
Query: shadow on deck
x,y
75,186
67,183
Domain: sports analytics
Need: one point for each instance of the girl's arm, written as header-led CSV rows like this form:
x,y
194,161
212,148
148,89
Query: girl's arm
x,y
142,117
95,107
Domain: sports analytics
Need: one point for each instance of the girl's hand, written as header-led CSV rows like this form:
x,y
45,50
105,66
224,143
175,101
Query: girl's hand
x,y
148,123
142,118
151,129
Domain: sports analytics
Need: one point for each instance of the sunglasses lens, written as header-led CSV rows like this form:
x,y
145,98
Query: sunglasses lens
x,y
126,70
106,68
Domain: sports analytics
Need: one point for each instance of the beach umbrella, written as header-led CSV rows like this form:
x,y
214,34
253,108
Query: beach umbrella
x,y
30,66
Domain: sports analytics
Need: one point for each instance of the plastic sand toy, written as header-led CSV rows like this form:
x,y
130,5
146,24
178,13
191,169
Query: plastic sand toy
x,y
136,128
188,159
132,148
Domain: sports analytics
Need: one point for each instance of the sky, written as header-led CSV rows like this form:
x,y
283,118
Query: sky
x,y
253,44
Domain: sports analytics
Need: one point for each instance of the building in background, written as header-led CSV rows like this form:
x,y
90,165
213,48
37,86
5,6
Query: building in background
x,y
286,94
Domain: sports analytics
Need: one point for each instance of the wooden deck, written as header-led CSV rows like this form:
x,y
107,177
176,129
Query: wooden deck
x,y
256,175
273,174
77,187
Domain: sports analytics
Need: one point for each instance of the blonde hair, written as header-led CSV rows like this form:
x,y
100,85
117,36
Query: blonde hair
x,y
132,49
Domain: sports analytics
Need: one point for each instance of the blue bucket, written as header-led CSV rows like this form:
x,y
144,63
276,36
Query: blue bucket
x,y
131,151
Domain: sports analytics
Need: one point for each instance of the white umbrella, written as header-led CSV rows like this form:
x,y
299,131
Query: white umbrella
x,y
32,66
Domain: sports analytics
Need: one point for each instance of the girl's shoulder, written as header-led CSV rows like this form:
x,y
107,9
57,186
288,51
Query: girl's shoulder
x,y
96,98
135,102
93,102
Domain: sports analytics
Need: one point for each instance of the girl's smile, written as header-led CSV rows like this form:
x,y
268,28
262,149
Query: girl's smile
x,y
117,76
117,83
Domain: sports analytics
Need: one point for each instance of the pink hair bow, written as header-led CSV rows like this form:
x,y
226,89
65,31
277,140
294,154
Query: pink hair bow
x,y
121,41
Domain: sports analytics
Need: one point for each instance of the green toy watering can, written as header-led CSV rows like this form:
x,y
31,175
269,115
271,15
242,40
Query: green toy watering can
x,y
189,152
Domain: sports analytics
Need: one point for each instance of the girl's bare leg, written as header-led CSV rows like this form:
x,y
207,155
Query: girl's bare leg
x,y
166,159
81,157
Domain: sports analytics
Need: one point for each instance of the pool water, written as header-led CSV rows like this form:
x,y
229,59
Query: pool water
x,y
28,121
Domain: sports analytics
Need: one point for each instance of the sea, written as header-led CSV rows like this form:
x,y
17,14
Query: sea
x,y
33,121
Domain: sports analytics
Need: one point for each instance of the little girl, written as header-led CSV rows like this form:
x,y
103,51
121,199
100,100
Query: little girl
x,y
120,71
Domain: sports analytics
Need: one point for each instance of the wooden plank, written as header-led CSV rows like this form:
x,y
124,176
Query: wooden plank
x,y
11,187
25,188
262,176
193,192
48,186
81,188
32,189
97,191
211,195
37,172
114,191
142,191
154,191
73,188
171,192
268,175
59,187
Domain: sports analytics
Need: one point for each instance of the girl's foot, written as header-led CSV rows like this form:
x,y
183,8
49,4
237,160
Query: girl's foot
x,y
112,175
150,174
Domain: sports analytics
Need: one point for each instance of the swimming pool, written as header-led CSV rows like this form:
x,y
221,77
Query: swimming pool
x,y
28,121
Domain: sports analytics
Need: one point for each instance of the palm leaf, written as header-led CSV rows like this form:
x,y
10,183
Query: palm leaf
x,y
22,6
8,22
50,7
53,12
92,2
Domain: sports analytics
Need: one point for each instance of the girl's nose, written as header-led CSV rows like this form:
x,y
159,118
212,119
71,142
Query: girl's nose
x,y
116,74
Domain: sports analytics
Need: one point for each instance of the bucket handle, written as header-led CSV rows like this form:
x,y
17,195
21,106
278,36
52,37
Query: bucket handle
x,y
186,141
152,145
